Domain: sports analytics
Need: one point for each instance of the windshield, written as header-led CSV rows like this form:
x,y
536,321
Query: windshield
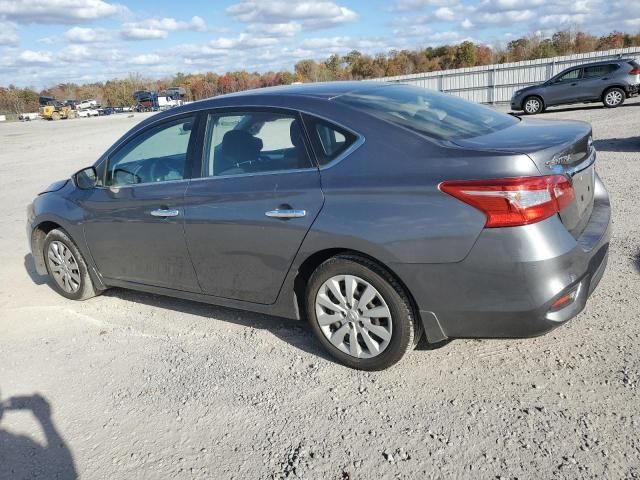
x,y
434,114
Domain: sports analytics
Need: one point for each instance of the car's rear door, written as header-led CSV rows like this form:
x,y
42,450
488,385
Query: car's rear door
x,y
134,221
595,80
256,198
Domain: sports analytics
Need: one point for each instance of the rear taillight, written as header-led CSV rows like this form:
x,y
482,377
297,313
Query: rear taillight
x,y
509,202
635,71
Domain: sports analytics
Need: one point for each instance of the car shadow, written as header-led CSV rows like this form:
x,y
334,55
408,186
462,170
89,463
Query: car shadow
x,y
636,261
295,332
30,267
629,144
21,456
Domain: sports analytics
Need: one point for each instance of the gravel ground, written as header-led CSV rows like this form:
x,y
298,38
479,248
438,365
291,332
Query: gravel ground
x,y
141,386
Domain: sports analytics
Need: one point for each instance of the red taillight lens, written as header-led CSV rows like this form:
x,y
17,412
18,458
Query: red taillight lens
x,y
509,202
635,71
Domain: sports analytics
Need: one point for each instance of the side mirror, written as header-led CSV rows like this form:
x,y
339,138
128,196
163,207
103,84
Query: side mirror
x,y
86,179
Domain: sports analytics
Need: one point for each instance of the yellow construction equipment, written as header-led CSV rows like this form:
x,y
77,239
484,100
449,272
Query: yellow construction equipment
x,y
51,109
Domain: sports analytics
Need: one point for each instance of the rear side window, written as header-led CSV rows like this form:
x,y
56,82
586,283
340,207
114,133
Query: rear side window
x,y
599,70
329,141
433,114
253,142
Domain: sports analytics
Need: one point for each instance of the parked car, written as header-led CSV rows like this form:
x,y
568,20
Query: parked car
x,y
378,212
609,82
84,104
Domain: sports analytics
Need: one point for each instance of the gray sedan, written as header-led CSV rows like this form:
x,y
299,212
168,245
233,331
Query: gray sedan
x,y
379,213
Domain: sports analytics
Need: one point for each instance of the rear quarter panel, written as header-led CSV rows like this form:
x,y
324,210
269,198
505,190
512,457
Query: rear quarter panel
x,y
383,199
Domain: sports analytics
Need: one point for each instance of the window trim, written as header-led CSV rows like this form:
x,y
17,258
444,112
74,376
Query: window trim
x,y
188,170
202,150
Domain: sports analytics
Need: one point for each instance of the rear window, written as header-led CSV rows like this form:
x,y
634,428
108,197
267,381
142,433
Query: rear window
x,y
433,114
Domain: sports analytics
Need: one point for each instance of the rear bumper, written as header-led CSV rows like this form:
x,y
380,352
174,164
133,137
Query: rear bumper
x,y
506,285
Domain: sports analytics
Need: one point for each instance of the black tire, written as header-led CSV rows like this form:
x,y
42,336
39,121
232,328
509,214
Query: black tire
x,y
86,288
613,97
533,105
406,332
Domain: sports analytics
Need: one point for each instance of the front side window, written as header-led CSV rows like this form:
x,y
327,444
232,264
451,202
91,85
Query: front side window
x,y
155,155
570,75
253,142
433,114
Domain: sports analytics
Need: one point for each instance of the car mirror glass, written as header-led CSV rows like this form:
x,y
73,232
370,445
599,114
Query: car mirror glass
x,y
86,179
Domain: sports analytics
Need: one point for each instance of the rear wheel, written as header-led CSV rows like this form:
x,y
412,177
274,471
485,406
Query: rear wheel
x,y
613,97
360,313
67,267
55,116
533,105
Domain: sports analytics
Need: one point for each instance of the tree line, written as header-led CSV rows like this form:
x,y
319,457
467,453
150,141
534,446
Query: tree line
x,y
354,65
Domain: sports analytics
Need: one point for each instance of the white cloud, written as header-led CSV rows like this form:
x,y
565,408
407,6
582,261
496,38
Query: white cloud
x,y
146,59
445,14
155,28
285,29
84,35
243,41
405,5
8,34
58,11
466,23
310,14
30,57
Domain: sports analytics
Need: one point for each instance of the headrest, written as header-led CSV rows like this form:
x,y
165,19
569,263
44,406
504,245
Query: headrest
x,y
239,142
295,132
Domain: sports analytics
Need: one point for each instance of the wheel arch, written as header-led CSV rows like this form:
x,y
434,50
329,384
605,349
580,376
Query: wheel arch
x,y
313,261
38,235
609,87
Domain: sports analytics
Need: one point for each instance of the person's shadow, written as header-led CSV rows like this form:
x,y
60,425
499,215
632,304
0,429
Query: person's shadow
x,y
23,458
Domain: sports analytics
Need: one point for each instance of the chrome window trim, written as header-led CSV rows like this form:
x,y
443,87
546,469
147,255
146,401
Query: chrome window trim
x,y
360,139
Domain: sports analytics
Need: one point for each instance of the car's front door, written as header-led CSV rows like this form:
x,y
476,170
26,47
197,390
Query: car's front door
x,y
258,195
564,89
134,221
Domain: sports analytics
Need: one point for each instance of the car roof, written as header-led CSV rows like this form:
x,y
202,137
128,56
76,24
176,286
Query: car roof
x,y
601,62
324,90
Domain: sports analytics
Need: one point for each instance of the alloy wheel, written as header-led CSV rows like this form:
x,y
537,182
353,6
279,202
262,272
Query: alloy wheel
x,y
532,105
353,316
613,98
64,267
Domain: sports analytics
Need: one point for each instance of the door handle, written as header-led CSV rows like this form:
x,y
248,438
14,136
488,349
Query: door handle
x,y
163,212
574,84
286,213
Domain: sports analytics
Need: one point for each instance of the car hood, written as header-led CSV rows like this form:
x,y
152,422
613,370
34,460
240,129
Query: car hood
x,y
554,146
55,186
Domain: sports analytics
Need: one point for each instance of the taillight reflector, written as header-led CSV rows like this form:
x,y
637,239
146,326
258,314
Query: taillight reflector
x,y
509,202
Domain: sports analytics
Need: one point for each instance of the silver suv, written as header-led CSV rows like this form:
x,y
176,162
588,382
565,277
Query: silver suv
x,y
609,82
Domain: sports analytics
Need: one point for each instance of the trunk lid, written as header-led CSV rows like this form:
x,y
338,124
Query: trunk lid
x,y
556,147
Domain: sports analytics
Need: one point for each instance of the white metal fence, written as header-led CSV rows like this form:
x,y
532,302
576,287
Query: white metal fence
x,y
496,83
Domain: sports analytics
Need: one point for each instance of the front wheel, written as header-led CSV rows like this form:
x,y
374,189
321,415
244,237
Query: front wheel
x,y
533,105
360,313
67,267
614,97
